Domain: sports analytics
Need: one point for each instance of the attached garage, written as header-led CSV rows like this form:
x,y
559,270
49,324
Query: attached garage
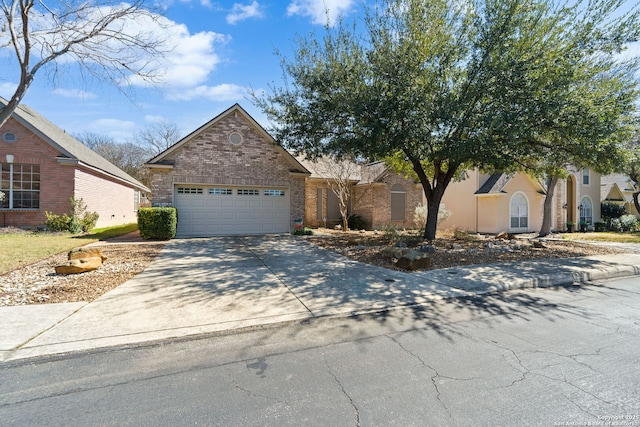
x,y
226,210
229,177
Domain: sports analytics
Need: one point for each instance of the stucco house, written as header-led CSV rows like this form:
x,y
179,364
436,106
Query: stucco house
x,y
492,203
379,196
43,167
229,177
618,189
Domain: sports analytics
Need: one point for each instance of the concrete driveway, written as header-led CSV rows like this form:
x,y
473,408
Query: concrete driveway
x,y
214,284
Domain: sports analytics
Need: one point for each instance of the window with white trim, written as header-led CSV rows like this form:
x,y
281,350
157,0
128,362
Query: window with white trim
x,y
248,192
189,190
398,203
20,186
276,193
221,191
586,210
519,212
586,178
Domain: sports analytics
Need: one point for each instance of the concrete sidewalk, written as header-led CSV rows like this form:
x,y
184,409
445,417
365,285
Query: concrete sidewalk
x,y
201,286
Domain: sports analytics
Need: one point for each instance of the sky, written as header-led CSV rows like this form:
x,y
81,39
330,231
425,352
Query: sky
x,y
222,50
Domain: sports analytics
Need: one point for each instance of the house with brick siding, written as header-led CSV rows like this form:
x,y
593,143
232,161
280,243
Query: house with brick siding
x,y
42,167
380,197
229,177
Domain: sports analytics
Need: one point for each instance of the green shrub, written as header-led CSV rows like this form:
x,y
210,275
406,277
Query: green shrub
x,y
611,210
600,226
356,222
57,222
303,231
157,223
77,221
628,222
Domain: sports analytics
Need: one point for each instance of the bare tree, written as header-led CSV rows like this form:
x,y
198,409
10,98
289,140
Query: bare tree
x,y
127,156
341,175
111,40
158,136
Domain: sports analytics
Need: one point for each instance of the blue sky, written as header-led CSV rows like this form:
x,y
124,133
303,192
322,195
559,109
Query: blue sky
x,y
222,48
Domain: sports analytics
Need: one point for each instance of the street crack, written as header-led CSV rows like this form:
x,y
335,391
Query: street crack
x,y
344,392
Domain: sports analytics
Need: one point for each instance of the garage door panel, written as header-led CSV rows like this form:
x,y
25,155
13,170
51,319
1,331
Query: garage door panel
x,y
244,211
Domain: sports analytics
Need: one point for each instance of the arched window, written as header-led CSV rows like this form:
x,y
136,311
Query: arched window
x,y
519,212
586,210
398,203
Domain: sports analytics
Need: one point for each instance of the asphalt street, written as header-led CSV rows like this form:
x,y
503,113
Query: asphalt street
x,y
556,356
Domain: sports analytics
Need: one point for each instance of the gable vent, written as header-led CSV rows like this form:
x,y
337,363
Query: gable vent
x,y
9,137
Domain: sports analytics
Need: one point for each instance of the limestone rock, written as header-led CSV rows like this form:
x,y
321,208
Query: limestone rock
x,y
84,252
79,265
82,260
505,236
413,260
427,248
393,252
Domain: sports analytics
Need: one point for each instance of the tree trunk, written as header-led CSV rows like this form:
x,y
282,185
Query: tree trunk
x,y
546,213
430,227
433,191
635,200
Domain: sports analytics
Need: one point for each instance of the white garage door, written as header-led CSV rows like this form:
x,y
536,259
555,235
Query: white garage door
x,y
220,210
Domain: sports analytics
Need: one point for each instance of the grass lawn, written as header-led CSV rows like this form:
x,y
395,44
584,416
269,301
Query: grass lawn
x,y
630,237
26,247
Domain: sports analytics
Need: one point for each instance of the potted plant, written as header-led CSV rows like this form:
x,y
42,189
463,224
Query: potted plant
x,y
570,225
583,226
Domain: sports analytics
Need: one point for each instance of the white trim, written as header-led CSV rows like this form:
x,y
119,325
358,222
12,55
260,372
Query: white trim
x,y
519,229
582,175
579,213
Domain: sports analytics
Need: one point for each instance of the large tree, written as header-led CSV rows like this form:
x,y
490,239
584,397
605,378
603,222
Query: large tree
x,y
451,85
108,39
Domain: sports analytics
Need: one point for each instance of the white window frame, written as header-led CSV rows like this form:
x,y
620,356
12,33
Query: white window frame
x,y
274,193
248,192
586,176
589,218
189,190
511,216
219,191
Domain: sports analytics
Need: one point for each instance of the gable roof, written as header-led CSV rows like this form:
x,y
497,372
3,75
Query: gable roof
x,y
495,184
623,181
73,151
613,193
319,168
296,167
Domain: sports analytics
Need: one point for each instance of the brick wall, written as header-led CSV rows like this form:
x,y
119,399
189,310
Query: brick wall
x,y
56,181
210,158
373,202
113,201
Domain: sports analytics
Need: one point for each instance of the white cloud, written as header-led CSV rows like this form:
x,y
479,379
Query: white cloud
x,y
7,89
220,93
74,93
320,10
153,119
240,12
119,130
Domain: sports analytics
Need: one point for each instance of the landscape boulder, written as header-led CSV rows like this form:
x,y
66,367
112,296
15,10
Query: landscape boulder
x,y
81,260
505,236
413,260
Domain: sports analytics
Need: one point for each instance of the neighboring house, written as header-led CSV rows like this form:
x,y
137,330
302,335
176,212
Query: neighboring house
x,y
618,189
229,177
492,203
379,196
43,167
